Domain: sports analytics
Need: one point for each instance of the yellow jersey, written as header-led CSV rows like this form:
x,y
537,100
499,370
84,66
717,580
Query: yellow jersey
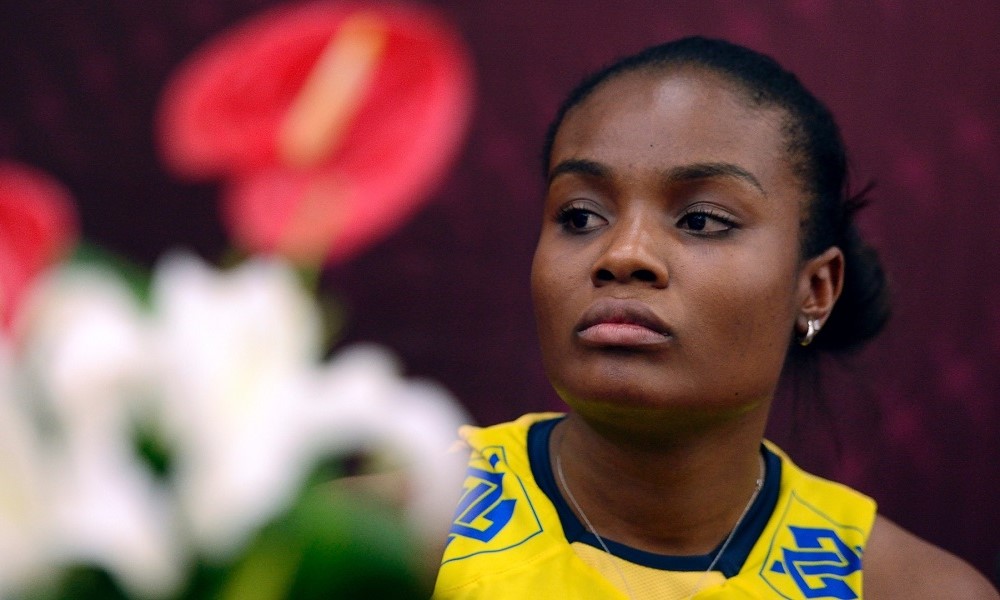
x,y
515,537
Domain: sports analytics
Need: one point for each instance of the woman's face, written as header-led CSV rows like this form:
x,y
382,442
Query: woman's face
x,y
667,277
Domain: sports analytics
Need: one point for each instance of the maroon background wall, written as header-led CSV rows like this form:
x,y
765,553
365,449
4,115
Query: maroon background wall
x,y
915,85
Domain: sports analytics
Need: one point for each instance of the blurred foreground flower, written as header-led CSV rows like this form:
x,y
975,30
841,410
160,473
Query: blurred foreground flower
x,y
37,225
330,123
186,438
178,449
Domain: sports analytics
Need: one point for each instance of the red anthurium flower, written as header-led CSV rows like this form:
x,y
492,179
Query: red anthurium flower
x,y
330,122
37,225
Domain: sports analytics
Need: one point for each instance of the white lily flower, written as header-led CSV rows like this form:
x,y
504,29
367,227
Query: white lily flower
x,y
85,349
86,358
252,409
110,512
423,427
362,403
233,347
228,364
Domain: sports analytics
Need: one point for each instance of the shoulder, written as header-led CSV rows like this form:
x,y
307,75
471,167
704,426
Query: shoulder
x,y
511,431
898,564
832,504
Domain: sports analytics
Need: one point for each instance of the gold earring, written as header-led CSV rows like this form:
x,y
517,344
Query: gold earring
x,y
812,328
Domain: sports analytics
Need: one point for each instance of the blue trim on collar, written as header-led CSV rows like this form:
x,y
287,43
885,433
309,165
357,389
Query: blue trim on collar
x,y
729,564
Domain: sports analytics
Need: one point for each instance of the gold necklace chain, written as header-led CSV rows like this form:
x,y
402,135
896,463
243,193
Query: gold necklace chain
x,y
590,527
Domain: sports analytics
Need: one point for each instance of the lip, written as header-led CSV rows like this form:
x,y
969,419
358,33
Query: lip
x,y
621,323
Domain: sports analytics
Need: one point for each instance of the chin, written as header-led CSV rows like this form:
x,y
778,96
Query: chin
x,y
628,411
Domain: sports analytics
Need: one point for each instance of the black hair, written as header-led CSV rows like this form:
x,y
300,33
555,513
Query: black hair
x,y
818,157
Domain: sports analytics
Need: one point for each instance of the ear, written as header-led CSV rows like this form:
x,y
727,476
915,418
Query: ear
x,y
821,280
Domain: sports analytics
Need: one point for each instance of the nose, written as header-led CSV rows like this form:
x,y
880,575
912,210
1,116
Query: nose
x,y
634,253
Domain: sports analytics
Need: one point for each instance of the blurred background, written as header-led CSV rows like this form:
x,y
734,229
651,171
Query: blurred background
x,y
912,420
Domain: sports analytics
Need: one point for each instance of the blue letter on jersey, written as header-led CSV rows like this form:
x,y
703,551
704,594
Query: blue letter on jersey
x,y
483,500
811,559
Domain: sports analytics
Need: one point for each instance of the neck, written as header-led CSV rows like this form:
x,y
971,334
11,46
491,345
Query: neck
x,y
682,496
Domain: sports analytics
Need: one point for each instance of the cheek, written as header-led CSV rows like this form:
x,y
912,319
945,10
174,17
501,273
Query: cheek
x,y
545,291
750,314
556,285
763,309
556,270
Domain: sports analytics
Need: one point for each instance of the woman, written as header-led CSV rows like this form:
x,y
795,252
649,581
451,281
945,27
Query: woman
x,y
697,237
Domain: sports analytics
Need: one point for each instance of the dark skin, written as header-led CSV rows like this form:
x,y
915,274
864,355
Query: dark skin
x,y
668,283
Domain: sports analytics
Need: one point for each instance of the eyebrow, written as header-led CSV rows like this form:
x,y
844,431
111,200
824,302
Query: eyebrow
x,y
679,174
710,170
579,166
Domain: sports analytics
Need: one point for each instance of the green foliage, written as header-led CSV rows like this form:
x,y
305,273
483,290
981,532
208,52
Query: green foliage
x,y
81,582
332,544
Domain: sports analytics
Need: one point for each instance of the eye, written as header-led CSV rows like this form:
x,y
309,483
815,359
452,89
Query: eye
x,y
575,219
706,222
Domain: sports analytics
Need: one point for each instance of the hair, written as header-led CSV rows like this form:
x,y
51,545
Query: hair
x,y
819,159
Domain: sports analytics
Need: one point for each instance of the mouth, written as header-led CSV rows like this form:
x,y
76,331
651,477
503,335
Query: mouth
x,y
622,324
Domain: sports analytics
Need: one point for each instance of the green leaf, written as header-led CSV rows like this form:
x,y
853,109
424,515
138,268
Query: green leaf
x,y
332,544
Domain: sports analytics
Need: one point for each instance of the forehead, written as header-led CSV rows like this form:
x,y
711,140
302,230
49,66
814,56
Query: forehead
x,y
655,120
